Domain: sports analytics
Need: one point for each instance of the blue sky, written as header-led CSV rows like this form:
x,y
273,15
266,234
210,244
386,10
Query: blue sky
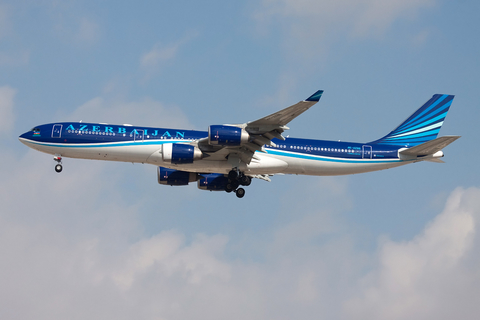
x,y
105,240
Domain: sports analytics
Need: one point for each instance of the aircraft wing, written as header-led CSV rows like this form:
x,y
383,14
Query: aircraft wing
x,y
261,132
280,119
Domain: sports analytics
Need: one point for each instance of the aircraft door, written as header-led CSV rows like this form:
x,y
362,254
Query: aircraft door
x,y
138,135
367,152
57,131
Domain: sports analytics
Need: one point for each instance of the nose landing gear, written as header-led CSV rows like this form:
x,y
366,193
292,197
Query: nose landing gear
x,y
235,179
58,166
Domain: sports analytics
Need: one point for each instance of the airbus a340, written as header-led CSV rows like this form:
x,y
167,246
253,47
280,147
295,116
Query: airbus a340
x,y
227,157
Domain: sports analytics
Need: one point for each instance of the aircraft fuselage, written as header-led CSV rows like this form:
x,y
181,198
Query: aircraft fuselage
x,y
143,145
228,156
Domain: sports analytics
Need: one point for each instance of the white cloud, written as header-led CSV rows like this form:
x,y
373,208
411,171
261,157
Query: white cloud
x,y
159,54
72,25
146,112
433,276
376,16
168,253
62,259
152,61
359,17
310,26
72,246
88,31
7,116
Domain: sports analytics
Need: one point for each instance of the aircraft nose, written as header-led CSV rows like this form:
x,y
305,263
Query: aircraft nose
x,y
26,136
22,138
23,135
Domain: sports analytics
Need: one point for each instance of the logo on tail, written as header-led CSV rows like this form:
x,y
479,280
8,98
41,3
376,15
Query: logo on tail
x,y
422,126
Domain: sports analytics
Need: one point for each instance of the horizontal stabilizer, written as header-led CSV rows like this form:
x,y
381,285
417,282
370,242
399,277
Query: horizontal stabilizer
x,y
429,147
435,160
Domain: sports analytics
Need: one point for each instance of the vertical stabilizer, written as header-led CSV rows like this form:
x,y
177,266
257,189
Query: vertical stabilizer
x,y
422,126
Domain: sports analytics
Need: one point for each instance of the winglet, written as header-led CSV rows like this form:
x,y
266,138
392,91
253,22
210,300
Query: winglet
x,y
316,96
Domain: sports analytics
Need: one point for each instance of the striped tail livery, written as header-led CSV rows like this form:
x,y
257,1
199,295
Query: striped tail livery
x,y
422,126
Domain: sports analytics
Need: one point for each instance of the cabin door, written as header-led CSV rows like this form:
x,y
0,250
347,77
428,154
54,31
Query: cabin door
x,y
367,152
138,135
57,131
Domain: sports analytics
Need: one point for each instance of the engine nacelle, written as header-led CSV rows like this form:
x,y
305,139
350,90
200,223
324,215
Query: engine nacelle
x,y
174,177
227,135
179,153
212,182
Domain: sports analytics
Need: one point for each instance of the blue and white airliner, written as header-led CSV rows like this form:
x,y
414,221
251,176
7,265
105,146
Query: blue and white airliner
x,y
228,156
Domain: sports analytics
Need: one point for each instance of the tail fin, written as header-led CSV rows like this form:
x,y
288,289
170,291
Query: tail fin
x,y
422,126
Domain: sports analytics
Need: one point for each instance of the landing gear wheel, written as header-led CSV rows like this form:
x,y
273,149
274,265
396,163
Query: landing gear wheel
x,y
58,166
235,184
245,180
240,192
229,187
233,174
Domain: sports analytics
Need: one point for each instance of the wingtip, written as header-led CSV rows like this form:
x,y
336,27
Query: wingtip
x,y
316,96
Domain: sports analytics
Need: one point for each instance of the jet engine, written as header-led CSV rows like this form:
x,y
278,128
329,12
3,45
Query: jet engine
x,y
212,182
174,177
179,153
227,135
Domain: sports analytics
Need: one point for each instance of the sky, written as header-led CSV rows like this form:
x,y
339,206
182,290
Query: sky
x,y
104,240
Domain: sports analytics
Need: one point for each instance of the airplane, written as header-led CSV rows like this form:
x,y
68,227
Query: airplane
x,y
227,157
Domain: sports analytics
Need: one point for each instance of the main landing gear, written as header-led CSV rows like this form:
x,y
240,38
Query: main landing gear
x,y
58,166
235,179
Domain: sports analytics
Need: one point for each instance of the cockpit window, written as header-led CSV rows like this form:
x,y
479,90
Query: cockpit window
x,y
36,129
